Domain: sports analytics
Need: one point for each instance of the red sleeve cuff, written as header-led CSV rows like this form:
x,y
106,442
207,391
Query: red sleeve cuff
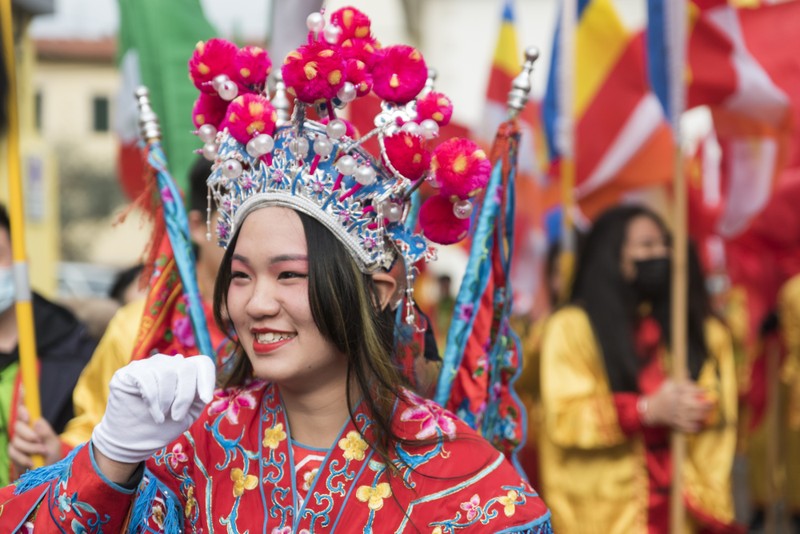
x,y
629,419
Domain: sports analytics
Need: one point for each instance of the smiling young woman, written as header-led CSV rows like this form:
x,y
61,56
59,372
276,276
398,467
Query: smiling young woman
x,y
315,429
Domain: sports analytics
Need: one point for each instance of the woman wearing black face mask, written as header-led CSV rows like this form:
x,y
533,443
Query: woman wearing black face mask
x,y
608,402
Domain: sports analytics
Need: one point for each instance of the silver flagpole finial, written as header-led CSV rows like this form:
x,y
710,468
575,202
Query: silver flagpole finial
x,y
521,87
149,129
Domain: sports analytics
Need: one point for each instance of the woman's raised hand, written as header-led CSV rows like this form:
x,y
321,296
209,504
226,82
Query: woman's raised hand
x,y
682,406
151,402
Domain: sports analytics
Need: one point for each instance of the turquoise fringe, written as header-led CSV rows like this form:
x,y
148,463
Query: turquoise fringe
x,y
143,506
37,477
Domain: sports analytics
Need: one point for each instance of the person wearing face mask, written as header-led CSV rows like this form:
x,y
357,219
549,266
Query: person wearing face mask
x,y
609,404
63,346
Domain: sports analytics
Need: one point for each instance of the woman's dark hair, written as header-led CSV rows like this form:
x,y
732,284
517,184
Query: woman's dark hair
x,y
612,304
344,304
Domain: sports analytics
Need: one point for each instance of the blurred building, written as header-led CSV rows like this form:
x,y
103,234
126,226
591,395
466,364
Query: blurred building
x,y
75,86
39,184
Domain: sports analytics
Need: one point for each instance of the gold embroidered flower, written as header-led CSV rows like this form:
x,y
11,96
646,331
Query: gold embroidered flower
x,y
509,502
273,436
308,478
191,502
374,496
242,482
437,530
353,446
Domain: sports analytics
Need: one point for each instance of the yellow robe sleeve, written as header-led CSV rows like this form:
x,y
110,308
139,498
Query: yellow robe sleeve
x,y
527,385
789,312
576,398
710,453
91,392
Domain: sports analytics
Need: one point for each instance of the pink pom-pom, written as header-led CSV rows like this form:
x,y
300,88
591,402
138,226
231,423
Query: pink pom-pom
x,y
314,72
210,59
407,153
461,168
208,109
350,130
356,72
439,223
250,115
400,74
436,106
353,23
252,66
363,50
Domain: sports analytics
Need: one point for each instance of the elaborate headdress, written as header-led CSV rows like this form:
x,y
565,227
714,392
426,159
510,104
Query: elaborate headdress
x,y
319,166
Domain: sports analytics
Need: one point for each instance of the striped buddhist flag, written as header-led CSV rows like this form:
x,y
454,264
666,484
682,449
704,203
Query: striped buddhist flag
x,y
534,193
506,65
622,140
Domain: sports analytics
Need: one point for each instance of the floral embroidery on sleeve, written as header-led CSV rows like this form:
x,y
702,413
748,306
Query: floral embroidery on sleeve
x,y
242,482
433,419
509,502
231,401
176,456
472,507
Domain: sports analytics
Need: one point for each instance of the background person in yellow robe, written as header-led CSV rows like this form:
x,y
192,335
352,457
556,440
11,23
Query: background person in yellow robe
x,y
528,385
608,404
789,312
784,476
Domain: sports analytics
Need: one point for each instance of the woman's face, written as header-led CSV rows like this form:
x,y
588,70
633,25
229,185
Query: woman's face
x,y
268,304
644,240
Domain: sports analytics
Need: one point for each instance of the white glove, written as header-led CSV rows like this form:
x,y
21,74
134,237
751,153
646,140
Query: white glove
x,y
150,403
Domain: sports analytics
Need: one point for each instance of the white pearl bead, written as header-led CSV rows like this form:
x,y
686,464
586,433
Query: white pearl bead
x,y
207,133
392,211
336,129
218,80
347,93
228,91
433,182
260,145
323,147
210,151
346,165
231,169
299,147
381,119
332,33
315,22
429,128
365,175
411,127
462,209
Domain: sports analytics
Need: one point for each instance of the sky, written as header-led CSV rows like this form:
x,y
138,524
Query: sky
x,y
91,19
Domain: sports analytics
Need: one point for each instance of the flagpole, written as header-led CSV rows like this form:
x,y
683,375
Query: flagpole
x,y
679,320
676,47
566,141
23,306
